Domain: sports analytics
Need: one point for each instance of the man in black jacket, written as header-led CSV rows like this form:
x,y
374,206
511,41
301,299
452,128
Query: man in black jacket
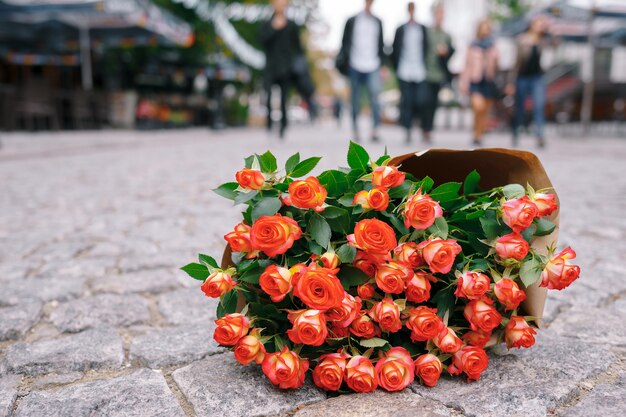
x,y
410,49
360,58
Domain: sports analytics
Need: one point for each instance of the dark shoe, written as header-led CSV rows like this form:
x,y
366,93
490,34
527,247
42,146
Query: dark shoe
x,y
375,139
541,143
407,138
478,143
427,138
515,141
281,132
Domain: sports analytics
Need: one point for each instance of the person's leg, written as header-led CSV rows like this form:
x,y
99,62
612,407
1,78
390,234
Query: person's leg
x,y
374,85
539,104
268,103
428,112
520,110
284,91
478,107
355,100
405,108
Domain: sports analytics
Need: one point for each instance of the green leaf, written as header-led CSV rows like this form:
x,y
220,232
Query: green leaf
x,y
471,182
346,200
439,228
228,304
351,277
382,159
491,227
333,212
513,191
544,227
346,254
249,161
530,272
291,163
358,158
266,207
252,276
426,184
396,222
319,230
208,260
401,190
335,182
445,301
315,248
196,271
446,192
245,197
305,167
268,162
374,342
227,190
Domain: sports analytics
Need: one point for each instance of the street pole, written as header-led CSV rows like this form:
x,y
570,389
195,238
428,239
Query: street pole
x,y
586,109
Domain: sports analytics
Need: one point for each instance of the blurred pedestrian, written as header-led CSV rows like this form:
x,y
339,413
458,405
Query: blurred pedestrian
x,y
440,50
361,56
526,79
410,49
477,78
280,38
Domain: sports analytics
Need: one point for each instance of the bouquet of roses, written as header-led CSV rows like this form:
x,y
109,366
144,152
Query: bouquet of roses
x,y
372,277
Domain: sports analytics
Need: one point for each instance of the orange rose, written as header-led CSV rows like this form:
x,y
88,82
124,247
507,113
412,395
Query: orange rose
x,y
363,326
472,285
250,179
508,293
519,213
418,288
391,277
387,314
373,236
239,240
274,235
395,370
423,323
388,177
217,284
366,291
421,211
365,263
518,333
477,338
512,246
330,260
559,273
482,315
374,199
319,289
546,204
307,194
439,254
276,282
249,348
296,272
344,315
408,254
328,374
447,341
337,332
470,359
231,328
361,375
428,369
285,369
309,327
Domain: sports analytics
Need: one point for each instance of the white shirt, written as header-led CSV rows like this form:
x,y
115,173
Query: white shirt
x,y
412,66
364,53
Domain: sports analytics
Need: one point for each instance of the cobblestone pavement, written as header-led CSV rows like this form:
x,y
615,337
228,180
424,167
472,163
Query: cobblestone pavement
x,y
96,320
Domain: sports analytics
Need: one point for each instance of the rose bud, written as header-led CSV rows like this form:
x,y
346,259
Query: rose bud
x,y
512,246
477,338
276,282
249,348
373,236
395,370
364,327
519,213
285,369
328,374
387,314
418,288
330,260
296,272
344,315
508,293
388,177
337,332
439,254
274,235
231,328
319,289
217,284
424,323
391,277
559,273
239,240
374,199
447,341
470,359
472,285
482,315
307,194
546,204
421,211
361,375
250,179
518,333
309,327
428,369
408,254
365,263
366,291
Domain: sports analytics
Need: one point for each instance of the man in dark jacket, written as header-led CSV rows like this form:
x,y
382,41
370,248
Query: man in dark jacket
x,y
360,57
410,51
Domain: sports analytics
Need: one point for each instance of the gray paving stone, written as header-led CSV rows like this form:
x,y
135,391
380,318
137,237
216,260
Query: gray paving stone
x,y
15,321
44,289
174,345
56,379
141,394
91,349
151,281
99,310
604,400
604,326
204,384
8,393
187,305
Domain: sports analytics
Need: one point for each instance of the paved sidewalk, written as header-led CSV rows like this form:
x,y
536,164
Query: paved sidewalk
x,y
96,320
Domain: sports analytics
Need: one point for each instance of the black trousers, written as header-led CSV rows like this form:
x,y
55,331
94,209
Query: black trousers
x,y
284,85
432,103
418,100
